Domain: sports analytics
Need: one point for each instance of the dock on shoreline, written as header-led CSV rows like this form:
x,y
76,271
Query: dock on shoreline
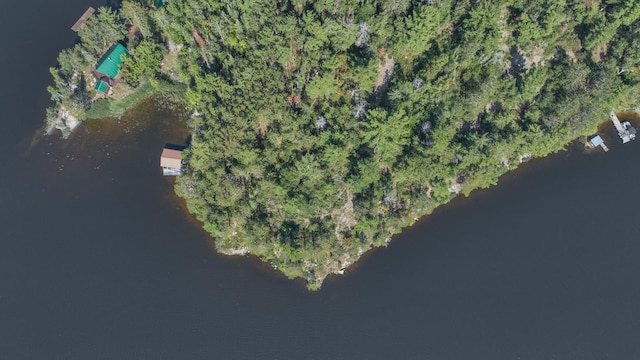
x,y
625,130
83,19
597,141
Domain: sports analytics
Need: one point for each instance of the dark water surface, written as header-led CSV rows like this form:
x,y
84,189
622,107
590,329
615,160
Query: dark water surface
x,y
99,261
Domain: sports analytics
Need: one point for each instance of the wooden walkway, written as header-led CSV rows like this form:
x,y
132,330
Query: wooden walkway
x,y
625,130
83,19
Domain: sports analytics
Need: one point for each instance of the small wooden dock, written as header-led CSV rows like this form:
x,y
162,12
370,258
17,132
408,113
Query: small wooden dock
x,y
597,141
83,19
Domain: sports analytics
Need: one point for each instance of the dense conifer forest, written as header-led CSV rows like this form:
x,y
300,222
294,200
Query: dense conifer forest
x,y
324,127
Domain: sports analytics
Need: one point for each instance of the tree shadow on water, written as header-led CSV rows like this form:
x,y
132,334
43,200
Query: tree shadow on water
x,y
114,4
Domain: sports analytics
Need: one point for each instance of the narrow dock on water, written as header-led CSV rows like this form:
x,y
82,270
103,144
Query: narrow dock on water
x,y
82,21
625,130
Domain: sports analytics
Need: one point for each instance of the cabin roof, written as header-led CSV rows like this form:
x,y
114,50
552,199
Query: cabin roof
x,y
101,86
110,63
597,140
171,159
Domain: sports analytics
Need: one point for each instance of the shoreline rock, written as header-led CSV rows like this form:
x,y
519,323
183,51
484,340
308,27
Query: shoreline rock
x,y
65,122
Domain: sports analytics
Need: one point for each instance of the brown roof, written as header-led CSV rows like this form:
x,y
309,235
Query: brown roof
x,y
171,159
83,19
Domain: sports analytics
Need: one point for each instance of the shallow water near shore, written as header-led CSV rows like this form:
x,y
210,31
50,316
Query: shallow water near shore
x,y
99,259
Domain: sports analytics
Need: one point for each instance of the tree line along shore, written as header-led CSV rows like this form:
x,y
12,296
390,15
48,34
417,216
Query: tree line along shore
x,y
322,128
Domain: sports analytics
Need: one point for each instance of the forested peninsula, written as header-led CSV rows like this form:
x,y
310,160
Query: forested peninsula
x,y
321,128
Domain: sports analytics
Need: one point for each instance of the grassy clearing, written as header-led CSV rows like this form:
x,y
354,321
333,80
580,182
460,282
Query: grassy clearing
x,y
113,107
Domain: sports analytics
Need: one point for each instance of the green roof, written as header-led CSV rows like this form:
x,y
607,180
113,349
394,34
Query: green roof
x,y
160,3
101,86
111,61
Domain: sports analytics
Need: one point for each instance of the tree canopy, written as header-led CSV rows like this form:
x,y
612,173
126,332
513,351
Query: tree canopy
x,y
327,126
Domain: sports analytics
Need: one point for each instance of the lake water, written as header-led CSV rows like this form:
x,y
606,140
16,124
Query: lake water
x,y
98,259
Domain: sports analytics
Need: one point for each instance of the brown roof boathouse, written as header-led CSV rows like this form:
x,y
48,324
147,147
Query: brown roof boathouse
x,y
171,162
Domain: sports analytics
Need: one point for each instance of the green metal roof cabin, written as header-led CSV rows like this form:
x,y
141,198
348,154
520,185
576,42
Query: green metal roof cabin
x,y
110,63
